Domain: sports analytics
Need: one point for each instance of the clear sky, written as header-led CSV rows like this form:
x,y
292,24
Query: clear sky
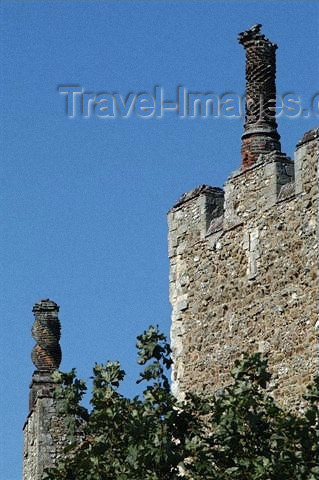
x,y
83,202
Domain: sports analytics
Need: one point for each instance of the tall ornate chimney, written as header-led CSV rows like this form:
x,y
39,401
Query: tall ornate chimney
x,y
260,135
44,436
46,354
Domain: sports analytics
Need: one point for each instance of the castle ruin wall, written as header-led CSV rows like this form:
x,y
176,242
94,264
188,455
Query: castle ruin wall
x,y
243,275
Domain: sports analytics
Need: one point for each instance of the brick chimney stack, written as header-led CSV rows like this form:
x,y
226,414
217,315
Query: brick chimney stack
x,y
46,354
260,129
46,331
44,429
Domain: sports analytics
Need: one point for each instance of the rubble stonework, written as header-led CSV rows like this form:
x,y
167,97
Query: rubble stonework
x,y
44,430
44,437
244,261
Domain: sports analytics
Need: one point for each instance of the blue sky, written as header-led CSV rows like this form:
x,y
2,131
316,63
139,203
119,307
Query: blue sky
x,y
83,202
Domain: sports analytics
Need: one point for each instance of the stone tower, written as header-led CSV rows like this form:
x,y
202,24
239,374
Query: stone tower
x,y
244,260
43,430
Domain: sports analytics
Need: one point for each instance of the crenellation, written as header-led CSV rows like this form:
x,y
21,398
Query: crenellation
x,y
256,188
190,218
305,148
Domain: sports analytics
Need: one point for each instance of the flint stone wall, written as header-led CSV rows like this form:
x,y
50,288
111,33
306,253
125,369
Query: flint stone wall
x,y
245,279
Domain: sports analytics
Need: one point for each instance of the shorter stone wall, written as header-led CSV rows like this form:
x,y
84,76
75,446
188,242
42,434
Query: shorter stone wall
x,y
43,441
44,431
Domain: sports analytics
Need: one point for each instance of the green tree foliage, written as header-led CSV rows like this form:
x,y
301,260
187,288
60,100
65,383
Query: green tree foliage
x,y
240,434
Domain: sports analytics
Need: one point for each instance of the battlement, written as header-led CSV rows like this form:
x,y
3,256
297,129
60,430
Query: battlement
x,y
274,178
191,216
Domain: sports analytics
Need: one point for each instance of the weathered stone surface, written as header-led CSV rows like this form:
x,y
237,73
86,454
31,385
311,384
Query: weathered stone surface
x,y
44,436
250,282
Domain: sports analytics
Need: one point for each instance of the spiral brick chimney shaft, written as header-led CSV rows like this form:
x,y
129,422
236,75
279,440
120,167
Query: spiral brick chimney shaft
x,y
46,354
260,129
46,331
